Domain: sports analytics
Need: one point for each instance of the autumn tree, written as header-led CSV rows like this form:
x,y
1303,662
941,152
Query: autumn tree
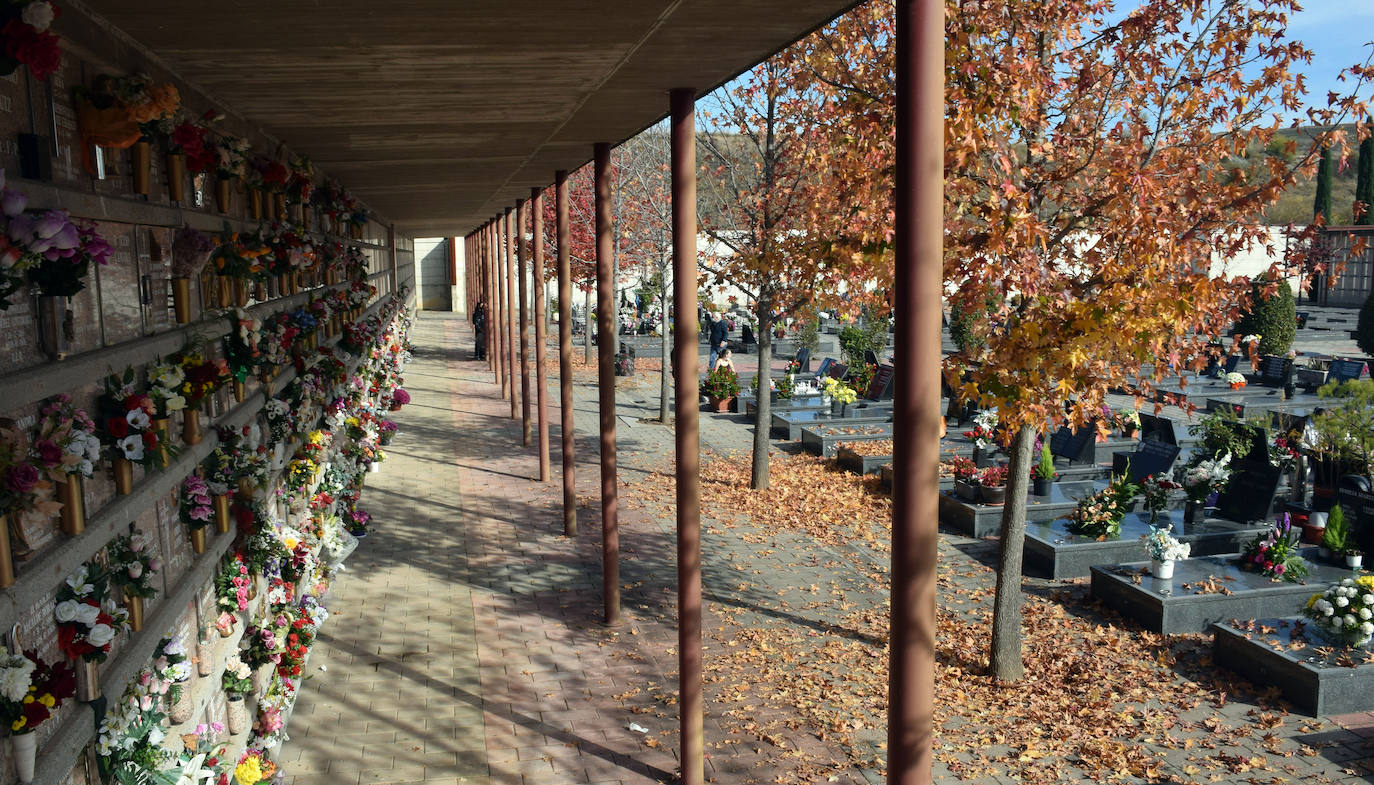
x,y
753,172
647,196
1090,175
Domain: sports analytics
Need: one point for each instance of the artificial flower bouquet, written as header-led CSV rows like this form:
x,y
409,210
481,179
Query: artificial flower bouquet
x,y
204,375
72,432
172,665
166,381
31,690
197,510
27,39
132,566
1099,514
984,431
87,619
128,418
260,646
232,582
1155,491
238,676
1275,553
1162,546
1206,477
1344,613
241,351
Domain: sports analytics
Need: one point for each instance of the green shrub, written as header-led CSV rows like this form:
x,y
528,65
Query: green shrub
x,y
810,334
721,383
1273,319
1336,533
855,340
962,324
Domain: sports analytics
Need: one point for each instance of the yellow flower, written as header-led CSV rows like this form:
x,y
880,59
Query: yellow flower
x,y
1314,598
48,700
17,724
248,772
28,699
1367,581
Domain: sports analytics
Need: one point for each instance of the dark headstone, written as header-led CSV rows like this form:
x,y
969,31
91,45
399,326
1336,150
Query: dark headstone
x,y
802,360
1214,405
838,370
1231,363
1346,370
1275,371
824,370
870,358
1359,515
1075,446
1250,494
1157,429
1302,319
1150,457
881,386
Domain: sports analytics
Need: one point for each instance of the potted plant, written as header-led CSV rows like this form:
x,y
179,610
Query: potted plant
x,y
1236,380
983,436
1156,491
1043,474
992,485
1354,558
1275,553
965,474
721,386
1164,551
1340,613
1336,534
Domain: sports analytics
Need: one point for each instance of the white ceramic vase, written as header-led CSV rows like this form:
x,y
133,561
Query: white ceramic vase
x,y
1163,570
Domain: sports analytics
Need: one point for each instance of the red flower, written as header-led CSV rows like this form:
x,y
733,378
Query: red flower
x,y
118,427
149,440
38,50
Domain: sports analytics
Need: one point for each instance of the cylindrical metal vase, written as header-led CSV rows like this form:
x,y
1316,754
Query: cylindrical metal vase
x,y
190,426
72,495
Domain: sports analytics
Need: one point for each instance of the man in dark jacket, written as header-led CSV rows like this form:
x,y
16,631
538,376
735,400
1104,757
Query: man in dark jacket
x,y
479,327
719,338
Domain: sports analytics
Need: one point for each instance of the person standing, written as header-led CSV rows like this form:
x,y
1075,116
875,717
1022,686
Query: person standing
x,y
479,327
719,339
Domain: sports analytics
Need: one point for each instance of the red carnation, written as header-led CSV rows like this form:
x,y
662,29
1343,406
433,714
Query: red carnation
x,y
118,427
149,440
38,50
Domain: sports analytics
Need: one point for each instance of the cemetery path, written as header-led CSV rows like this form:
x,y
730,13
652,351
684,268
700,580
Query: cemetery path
x,y
466,643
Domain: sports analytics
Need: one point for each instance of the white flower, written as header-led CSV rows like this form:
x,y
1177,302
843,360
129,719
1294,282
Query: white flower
x,y
135,570
86,614
1367,628
1365,613
100,635
66,611
138,419
1349,620
38,15
1367,599
15,678
1341,601
175,403
179,672
131,446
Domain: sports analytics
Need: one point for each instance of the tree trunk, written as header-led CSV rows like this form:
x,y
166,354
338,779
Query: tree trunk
x,y
667,361
1006,613
587,333
763,420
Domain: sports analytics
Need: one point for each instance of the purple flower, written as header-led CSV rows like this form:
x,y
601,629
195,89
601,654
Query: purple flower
x,y
49,453
13,203
22,478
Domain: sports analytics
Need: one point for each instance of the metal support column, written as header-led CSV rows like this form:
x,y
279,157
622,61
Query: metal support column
x,y
540,328
565,396
513,360
521,214
605,343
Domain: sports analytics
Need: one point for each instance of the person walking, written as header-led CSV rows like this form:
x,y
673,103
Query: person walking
x,y
479,327
719,339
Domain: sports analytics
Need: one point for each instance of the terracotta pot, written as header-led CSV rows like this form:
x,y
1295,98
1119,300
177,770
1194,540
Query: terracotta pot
x,y
6,557
222,520
181,300
190,426
71,494
255,203
55,330
123,476
143,167
134,605
198,540
1312,535
163,428
715,404
222,195
176,177
87,680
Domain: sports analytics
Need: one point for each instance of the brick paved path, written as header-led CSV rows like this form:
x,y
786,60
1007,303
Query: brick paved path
x,y
465,643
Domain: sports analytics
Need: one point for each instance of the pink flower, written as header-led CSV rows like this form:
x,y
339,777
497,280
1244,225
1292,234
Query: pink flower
x,y
22,478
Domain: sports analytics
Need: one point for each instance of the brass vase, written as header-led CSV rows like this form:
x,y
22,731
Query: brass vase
x,y
163,428
87,680
222,195
181,299
279,200
70,493
255,203
134,605
6,558
240,391
259,291
198,541
55,328
246,489
143,166
176,177
240,292
221,514
123,476
224,288
190,426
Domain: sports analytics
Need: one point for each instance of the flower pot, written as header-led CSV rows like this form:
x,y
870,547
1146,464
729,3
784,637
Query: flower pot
x,y
222,195
55,331
180,710
992,496
1312,534
134,605
374,467
237,714
279,206
1190,511
143,166
1163,570
716,404
259,291
198,541
396,407
246,488
87,680
255,203
181,300
1128,433
123,476
1354,560
205,657
240,391
966,490
1041,487
25,752
176,177
222,520
190,426
224,290
71,494
229,633
240,292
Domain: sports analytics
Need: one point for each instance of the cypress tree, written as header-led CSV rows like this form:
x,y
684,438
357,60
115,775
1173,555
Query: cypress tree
x,y
1364,182
1326,170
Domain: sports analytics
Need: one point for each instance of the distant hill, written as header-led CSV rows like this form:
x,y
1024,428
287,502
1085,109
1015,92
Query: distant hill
x,y
1295,206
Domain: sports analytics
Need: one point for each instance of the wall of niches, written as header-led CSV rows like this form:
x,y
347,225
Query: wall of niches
x,y
124,318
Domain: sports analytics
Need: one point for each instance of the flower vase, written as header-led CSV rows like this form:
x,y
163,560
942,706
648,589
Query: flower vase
x,y
87,680
966,490
240,391
198,541
374,467
1354,560
71,494
134,605
55,331
1190,511
237,714
1162,570
143,167
190,426
176,177
25,753
255,203
260,291
982,458
6,558
205,657
162,426
261,676
180,710
240,287
123,476
181,299
222,195
221,503
279,209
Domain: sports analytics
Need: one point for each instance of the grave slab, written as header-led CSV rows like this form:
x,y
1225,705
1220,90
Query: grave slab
x,y
789,425
862,464
1315,679
1053,551
823,440
1204,591
983,520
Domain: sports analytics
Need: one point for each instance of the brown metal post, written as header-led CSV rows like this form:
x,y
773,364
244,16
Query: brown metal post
x,y
521,213
565,396
605,340
493,337
540,329
917,288
512,313
682,105
501,324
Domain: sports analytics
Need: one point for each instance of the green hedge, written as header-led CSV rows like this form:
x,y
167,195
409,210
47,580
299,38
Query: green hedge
x,y
1274,319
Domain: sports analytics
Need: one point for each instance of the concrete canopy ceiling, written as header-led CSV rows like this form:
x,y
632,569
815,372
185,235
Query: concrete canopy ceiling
x,y
440,113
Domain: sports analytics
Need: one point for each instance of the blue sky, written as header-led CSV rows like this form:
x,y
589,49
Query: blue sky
x,y
1337,32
